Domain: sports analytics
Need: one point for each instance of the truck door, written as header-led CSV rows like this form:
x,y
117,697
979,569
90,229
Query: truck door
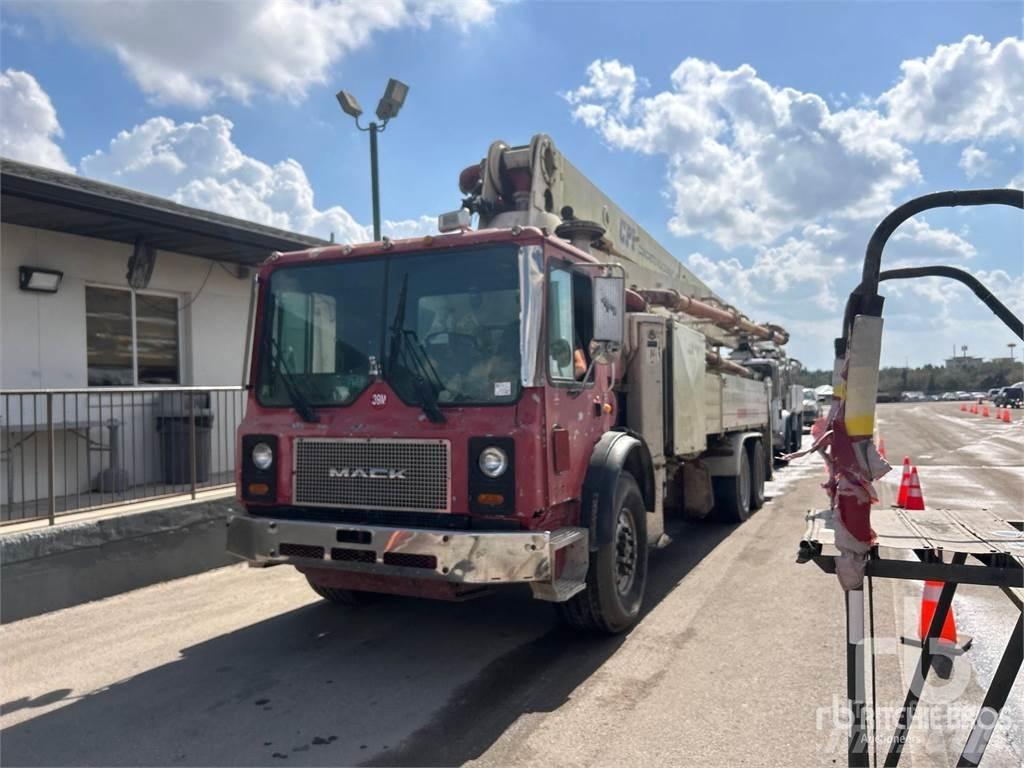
x,y
575,410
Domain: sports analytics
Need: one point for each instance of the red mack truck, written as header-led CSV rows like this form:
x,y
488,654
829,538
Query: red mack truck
x,y
531,402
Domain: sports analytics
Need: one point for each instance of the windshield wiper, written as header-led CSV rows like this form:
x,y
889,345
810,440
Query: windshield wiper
x,y
298,400
428,383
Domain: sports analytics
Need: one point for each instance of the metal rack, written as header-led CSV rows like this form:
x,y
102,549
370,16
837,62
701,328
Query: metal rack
x,y
939,543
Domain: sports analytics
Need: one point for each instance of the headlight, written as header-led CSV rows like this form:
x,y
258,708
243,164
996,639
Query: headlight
x,y
262,456
493,461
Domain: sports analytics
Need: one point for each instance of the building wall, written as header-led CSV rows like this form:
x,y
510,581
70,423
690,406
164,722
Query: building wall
x,y
43,345
42,336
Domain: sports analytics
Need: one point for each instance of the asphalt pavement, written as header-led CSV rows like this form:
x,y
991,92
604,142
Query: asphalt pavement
x,y
739,659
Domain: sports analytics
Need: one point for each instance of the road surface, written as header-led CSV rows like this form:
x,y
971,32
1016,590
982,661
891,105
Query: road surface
x,y
739,659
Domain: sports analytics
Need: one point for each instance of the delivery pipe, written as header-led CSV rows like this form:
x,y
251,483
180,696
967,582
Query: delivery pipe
x,y
729,319
715,360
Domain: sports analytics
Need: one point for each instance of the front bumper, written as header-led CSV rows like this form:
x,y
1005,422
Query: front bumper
x,y
464,557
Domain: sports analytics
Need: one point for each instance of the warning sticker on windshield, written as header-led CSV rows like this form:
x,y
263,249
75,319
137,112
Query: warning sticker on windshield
x,y
502,388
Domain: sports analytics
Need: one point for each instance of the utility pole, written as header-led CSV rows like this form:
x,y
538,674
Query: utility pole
x,y
1011,345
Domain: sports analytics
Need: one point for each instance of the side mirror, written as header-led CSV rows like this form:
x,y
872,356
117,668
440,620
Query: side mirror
x,y
561,352
609,309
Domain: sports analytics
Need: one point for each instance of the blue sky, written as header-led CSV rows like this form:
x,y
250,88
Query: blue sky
x,y
199,87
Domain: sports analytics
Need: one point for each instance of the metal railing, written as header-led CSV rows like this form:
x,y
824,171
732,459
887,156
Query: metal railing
x,y
70,450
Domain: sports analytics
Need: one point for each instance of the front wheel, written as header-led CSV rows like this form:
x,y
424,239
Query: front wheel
x,y
348,597
617,577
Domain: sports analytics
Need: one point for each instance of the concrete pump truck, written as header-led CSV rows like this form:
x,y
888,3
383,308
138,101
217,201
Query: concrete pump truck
x,y
524,403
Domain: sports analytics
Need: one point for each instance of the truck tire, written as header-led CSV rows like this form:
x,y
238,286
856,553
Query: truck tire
x,y
732,494
758,470
347,597
617,577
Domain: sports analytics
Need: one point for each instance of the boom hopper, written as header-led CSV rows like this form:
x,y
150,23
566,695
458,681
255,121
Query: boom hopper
x,y
534,402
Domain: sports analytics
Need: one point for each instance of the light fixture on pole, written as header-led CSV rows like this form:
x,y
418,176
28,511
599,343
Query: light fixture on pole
x,y
387,109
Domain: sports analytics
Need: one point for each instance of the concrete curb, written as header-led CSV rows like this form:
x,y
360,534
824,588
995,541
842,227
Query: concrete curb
x,y
47,569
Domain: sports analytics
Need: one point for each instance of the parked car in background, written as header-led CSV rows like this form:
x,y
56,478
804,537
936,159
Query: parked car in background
x,y
979,396
961,395
811,408
887,397
912,397
950,396
993,392
1009,397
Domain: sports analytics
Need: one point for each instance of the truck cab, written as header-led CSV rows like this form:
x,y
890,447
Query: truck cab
x,y
423,413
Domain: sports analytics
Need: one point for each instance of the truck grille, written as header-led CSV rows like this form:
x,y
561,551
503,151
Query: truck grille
x,y
410,475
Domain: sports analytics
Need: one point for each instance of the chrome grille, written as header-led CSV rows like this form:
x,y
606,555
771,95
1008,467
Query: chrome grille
x,y
326,474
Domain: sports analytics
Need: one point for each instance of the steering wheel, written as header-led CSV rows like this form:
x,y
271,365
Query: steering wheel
x,y
457,342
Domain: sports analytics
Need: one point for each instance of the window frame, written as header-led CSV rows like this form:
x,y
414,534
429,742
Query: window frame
x,y
134,326
569,267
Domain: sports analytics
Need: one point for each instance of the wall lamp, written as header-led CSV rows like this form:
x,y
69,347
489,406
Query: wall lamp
x,y
39,280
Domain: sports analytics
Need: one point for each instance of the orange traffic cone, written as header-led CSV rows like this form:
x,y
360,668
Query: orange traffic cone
x,y
1007,417
963,406
929,600
901,497
974,408
984,411
915,499
881,447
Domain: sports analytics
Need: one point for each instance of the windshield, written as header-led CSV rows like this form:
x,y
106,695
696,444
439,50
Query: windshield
x,y
441,328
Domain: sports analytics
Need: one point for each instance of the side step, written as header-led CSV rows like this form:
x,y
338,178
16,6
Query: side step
x,y
575,559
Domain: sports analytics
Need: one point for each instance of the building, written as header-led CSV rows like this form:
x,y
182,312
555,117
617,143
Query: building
x,y
116,357
964,361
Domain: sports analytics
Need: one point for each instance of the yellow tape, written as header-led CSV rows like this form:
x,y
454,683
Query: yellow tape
x,y
860,426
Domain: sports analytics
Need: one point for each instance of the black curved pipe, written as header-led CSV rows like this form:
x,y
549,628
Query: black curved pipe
x,y
865,299
1001,311
950,199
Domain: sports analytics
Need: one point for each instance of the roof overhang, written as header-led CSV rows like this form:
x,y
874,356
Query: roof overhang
x,y
38,197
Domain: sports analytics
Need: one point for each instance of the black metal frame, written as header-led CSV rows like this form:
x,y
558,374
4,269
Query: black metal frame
x,y
999,570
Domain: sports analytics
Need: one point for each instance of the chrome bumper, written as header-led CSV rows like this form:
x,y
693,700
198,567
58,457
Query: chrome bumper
x,y
466,557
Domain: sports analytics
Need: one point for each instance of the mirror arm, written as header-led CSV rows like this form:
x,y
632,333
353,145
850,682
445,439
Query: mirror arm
x,y
576,390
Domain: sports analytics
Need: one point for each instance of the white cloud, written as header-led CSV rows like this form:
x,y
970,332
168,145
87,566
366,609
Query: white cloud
x,y
192,53
397,230
965,91
802,284
974,161
28,122
198,164
918,242
609,81
747,161
800,271
793,187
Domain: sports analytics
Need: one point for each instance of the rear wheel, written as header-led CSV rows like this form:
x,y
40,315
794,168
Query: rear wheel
x,y
758,470
732,493
617,577
348,597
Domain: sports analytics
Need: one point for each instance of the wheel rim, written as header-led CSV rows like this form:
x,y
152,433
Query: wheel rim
x,y
625,552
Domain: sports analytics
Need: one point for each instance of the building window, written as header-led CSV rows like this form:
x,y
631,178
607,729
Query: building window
x,y
131,337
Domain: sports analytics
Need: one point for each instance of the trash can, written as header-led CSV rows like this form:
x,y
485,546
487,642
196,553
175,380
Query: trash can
x,y
175,443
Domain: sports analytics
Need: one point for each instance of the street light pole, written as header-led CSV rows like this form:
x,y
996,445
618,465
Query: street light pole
x,y
387,109
374,182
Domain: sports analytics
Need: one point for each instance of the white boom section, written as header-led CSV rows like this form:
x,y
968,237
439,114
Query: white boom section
x,y
542,183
